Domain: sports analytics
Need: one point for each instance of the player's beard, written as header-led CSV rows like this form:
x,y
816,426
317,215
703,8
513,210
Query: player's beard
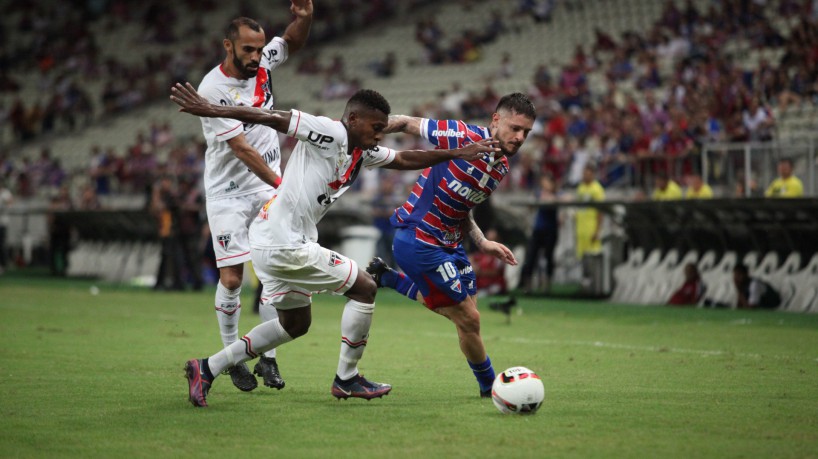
x,y
509,149
245,70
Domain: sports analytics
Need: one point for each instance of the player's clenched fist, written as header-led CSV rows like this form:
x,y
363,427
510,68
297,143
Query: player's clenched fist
x,y
301,8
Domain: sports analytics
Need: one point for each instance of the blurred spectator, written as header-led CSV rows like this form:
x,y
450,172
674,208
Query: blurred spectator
x,y
6,200
59,231
741,191
165,207
665,189
506,69
489,270
452,102
386,67
543,238
753,293
757,121
697,189
191,219
786,185
89,199
691,290
100,170
589,219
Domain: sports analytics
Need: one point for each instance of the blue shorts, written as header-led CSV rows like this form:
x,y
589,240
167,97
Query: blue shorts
x,y
444,276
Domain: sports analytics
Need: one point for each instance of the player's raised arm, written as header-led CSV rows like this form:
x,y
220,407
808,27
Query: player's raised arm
x,y
421,159
297,32
191,102
403,123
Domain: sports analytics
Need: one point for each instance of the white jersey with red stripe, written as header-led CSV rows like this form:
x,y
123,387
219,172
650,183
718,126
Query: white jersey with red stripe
x,y
225,175
319,171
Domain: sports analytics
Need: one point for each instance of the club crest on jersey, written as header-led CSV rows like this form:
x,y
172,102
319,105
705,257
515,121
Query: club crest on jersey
x,y
224,240
335,259
456,286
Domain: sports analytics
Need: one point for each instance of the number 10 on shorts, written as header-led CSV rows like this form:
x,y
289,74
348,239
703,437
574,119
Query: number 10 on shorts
x,y
447,271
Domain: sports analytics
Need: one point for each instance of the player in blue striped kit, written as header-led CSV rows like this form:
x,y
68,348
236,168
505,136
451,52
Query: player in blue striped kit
x,y
431,225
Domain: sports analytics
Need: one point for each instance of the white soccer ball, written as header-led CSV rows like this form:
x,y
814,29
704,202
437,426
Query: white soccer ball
x,y
517,390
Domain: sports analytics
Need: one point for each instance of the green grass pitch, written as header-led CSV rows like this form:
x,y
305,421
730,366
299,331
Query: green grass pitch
x,y
86,375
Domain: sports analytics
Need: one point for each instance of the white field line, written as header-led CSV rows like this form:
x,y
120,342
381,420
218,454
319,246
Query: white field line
x,y
631,347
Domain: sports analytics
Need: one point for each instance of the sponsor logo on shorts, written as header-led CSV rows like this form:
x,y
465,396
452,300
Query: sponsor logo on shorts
x,y
224,240
335,259
456,286
231,187
448,133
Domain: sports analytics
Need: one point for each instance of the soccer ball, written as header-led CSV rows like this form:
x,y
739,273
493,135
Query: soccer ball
x,y
517,390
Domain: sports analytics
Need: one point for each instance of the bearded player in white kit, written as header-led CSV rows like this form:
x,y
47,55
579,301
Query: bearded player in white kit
x,y
243,166
283,237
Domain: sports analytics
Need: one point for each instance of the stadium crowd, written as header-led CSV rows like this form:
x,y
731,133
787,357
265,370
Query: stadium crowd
x,y
61,45
659,125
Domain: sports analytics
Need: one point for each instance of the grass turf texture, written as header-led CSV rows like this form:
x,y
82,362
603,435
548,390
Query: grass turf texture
x,y
86,375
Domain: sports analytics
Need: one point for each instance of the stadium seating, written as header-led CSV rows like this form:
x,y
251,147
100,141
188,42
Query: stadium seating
x,y
805,298
625,272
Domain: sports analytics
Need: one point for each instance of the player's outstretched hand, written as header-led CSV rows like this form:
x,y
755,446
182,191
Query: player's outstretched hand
x,y
301,8
476,150
498,250
190,101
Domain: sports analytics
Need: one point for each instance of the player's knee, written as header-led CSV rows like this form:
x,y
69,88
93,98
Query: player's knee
x,y
230,281
296,323
469,321
364,290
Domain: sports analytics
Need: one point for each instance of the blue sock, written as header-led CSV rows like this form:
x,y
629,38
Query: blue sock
x,y
484,373
400,283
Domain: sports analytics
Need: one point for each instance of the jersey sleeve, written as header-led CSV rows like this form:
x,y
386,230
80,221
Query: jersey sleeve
x,y
320,132
223,128
378,157
275,53
445,134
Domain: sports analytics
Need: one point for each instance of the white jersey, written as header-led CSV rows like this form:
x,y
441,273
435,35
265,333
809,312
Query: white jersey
x,y
319,171
225,175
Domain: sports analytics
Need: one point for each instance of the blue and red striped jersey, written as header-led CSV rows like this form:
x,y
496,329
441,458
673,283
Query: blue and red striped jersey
x,y
445,193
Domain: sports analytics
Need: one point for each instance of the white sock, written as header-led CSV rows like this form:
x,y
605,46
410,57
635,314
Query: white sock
x,y
268,312
355,323
228,311
263,337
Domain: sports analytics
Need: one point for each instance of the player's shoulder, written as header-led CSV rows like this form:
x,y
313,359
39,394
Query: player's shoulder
x,y
215,82
318,127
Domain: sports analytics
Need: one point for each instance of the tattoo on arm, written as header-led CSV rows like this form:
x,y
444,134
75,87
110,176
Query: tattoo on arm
x,y
474,231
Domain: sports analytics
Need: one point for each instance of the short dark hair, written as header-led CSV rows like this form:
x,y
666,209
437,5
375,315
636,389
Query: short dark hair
x,y
232,30
785,160
518,103
741,268
370,99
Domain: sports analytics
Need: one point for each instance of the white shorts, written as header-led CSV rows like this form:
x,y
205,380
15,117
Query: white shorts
x,y
229,220
290,276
